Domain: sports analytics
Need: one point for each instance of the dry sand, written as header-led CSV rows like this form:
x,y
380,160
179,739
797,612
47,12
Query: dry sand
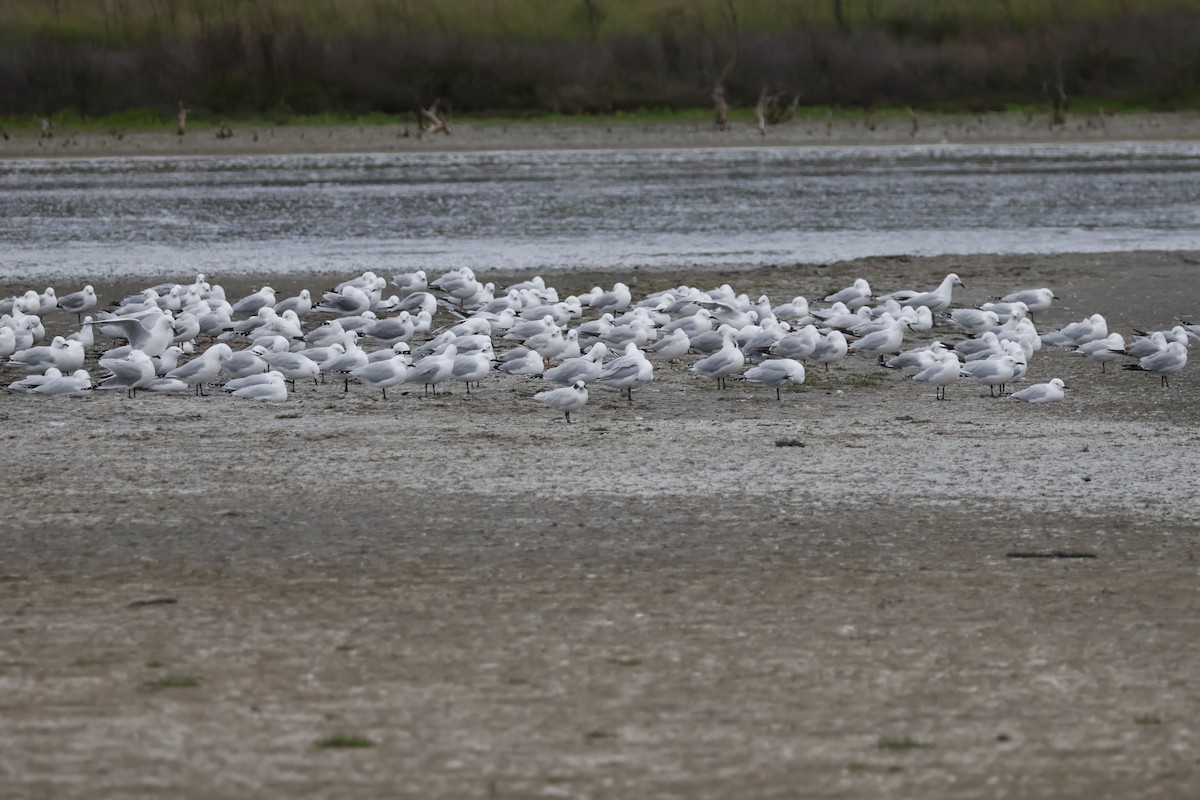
x,y
810,128
655,601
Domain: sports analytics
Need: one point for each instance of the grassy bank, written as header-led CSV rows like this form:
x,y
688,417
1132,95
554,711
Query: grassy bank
x,y
357,58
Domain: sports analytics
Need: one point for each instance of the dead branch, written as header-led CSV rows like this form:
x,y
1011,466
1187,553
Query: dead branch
x,y
181,115
433,122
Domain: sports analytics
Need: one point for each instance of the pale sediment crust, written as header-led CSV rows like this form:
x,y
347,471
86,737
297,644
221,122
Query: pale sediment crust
x,y
815,129
701,593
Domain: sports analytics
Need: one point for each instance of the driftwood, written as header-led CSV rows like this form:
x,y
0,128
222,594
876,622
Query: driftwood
x,y
181,114
772,110
1057,97
433,122
720,107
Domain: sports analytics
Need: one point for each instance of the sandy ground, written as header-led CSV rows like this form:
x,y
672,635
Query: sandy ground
x,y
809,128
655,601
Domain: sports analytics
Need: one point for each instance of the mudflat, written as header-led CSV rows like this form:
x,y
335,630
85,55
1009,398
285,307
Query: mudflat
x,y
701,593
810,127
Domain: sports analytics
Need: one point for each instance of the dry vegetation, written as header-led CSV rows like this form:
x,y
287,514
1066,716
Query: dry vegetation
x,y
235,57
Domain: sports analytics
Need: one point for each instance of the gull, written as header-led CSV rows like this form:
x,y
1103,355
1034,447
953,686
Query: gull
x,y
1087,330
991,371
1051,392
186,327
1169,360
382,374
134,371
8,341
637,332
1156,341
796,308
301,304
528,364
459,284
548,344
432,370
273,389
1035,300
78,302
721,364
410,282
27,303
417,302
47,302
202,369
565,399
694,325
940,298
776,372
251,303
710,342
941,373
973,320
151,336
349,301
73,385
1006,311
584,368
245,362
918,359
616,300
597,328
888,340
631,369
352,359
26,385
1103,350
64,355
854,296
523,330
168,361
472,367
562,313
672,346
798,344
166,385
830,349
292,366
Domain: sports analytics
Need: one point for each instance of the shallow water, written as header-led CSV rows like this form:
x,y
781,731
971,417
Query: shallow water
x,y
589,209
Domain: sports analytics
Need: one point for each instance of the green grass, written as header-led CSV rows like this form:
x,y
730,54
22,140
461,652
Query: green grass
x,y
903,743
345,740
597,735
627,662
154,663
1148,719
345,648
174,682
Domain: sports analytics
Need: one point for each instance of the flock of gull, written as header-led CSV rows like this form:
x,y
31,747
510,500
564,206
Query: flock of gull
x,y
258,346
